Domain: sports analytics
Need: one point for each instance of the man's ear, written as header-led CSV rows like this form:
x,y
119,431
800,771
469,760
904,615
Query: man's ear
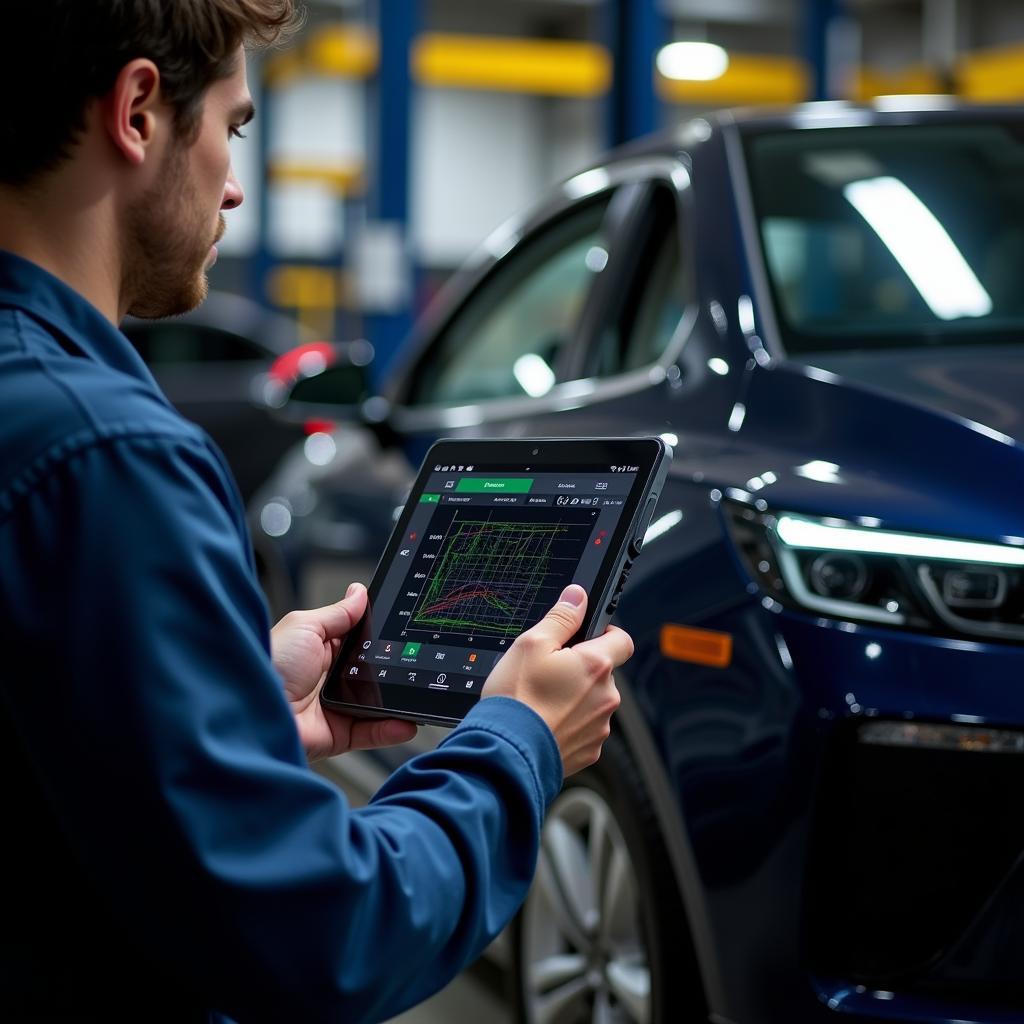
x,y
132,110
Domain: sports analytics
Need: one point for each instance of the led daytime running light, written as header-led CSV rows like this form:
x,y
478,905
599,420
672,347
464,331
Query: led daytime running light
x,y
796,532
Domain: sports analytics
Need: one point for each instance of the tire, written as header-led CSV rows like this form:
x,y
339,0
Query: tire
x,y
615,953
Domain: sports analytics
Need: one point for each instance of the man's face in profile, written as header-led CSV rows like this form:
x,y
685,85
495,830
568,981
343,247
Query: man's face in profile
x,y
172,229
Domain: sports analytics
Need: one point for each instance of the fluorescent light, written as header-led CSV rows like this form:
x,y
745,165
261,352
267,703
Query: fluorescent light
x,y
534,375
921,246
797,532
692,62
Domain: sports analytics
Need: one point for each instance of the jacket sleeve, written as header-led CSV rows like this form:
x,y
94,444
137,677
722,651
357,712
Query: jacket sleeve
x,y
156,721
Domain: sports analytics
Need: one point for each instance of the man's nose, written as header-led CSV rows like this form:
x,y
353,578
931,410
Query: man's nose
x,y
233,194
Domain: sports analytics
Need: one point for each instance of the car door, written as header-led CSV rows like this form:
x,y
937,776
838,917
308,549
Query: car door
x,y
508,349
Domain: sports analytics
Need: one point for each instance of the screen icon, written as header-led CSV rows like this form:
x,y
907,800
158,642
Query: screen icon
x,y
366,644
382,673
441,678
411,650
469,469
437,469
471,658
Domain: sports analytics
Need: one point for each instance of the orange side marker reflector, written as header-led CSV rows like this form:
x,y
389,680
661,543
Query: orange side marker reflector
x,y
701,646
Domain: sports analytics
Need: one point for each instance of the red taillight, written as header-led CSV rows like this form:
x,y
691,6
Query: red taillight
x,y
318,426
302,361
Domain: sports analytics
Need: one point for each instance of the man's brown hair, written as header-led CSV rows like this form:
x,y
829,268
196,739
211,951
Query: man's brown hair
x,y
60,54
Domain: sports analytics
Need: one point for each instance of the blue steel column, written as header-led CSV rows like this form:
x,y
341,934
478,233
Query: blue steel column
x,y
389,153
822,18
635,31
262,261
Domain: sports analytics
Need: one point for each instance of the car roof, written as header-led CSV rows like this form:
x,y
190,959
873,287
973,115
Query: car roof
x,y
885,110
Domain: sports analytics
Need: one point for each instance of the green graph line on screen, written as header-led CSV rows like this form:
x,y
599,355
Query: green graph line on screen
x,y
488,577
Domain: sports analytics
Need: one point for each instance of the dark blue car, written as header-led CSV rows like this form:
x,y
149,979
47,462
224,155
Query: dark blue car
x,y
810,808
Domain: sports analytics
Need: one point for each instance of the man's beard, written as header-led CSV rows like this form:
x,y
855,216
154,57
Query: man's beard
x,y
167,244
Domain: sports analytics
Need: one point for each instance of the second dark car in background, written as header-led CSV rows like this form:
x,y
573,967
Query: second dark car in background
x,y
209,363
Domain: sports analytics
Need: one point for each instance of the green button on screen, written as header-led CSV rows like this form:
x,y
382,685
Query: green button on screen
x,y
429,499
495,485
411,650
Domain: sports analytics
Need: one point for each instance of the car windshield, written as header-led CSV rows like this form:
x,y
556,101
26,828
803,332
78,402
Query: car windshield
x,y
893,236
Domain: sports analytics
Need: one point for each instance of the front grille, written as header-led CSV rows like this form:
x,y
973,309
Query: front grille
x,y
913,872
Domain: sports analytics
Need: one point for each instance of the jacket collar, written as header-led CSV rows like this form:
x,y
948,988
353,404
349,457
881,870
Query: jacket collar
x,y
78,325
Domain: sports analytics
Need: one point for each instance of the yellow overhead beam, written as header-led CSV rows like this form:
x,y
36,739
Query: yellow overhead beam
x,y
750,78
561,68
344,179
918,79
334,51
544,66
992,76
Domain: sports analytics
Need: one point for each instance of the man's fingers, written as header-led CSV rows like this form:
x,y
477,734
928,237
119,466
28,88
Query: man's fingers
x,y
564,619
614,643
383,732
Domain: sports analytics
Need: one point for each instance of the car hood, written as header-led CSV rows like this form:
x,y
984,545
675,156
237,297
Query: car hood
x,y
984,385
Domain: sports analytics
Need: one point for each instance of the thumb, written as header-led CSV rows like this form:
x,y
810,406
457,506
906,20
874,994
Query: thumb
x,y
338,618
565,618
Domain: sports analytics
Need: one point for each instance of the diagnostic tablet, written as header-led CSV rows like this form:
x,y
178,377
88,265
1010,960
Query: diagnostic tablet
x,y
492,532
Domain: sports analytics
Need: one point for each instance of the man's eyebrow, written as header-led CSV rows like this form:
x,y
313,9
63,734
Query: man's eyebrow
x,y
243,113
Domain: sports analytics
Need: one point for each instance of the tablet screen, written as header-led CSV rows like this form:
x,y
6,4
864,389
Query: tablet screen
x,y
482,551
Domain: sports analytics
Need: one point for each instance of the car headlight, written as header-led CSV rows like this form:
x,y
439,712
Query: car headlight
x,y
863,573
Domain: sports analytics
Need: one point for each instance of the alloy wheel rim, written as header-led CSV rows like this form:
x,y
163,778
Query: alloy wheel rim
x,y
584,953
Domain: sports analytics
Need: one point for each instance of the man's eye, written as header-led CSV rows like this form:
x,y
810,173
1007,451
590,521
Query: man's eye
x,y
236,134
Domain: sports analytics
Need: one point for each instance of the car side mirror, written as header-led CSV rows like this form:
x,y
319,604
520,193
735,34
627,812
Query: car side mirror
x,y
318,380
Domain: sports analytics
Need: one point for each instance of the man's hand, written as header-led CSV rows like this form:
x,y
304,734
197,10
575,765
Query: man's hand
x,y
571,688
303,645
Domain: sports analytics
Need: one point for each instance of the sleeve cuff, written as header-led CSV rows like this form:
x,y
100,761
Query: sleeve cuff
x,y
521,727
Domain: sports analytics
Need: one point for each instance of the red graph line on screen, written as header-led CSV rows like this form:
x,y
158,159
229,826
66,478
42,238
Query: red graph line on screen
x,y
488,576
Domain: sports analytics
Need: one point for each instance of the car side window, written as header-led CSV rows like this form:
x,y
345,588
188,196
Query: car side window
x,y
642,317
172,344
507,339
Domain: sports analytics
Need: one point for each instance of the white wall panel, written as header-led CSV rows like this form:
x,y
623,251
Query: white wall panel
x,y
318,120
476,161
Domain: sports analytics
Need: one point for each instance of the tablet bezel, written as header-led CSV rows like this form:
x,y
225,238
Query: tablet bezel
x,y
398,700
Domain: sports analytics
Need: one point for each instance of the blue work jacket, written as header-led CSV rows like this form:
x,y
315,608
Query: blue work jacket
x,y
167,852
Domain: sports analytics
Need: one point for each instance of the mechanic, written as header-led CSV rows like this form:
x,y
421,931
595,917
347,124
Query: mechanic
x,y
169,854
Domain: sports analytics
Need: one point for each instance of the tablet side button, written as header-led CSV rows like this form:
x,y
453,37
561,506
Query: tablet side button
x,y
645,521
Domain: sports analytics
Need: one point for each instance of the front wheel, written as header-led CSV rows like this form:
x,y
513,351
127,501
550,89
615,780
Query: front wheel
x,y
602,938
